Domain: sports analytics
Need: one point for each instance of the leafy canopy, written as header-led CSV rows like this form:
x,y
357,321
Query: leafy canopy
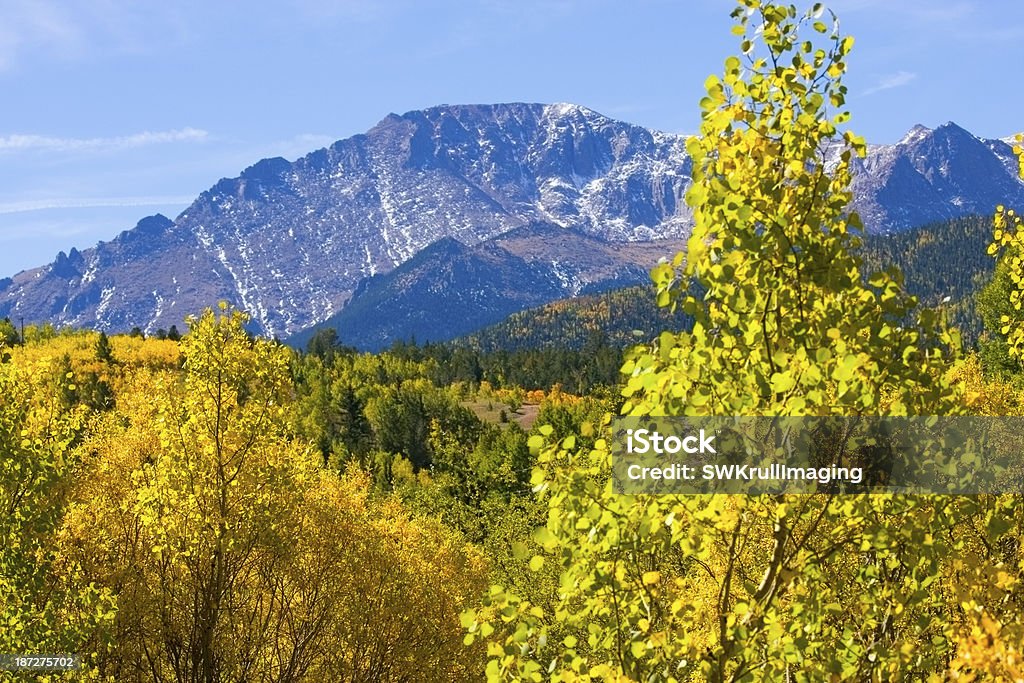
x,y
784,322
667,588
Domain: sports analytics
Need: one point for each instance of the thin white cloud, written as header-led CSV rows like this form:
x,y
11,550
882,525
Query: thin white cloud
x,y
91,203
33,23
896,80
74,29
28,143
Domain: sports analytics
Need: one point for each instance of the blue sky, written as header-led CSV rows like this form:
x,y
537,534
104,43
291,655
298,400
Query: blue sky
x,y
116,109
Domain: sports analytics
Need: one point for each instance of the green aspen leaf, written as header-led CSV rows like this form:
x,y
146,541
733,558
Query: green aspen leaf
x,y
544,537
782,382
696,195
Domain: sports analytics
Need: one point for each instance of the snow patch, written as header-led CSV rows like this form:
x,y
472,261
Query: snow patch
x,y
105,296
915,134
568,282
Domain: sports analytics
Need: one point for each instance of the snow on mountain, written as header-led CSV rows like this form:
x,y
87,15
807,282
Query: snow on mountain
x,y
933,175
290,241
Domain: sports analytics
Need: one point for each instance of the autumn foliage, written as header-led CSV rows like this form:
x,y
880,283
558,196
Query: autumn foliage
x,y
185,533
223,508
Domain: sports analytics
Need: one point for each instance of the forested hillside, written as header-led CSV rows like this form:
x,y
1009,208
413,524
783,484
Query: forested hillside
x,y
938,260
167,502
620,317
449,289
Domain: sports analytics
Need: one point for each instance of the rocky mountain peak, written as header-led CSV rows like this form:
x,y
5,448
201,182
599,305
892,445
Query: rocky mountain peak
x,y
917,132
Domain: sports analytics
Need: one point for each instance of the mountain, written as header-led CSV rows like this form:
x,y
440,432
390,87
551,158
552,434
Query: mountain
x,y
290,242
934,175
449,288
154,272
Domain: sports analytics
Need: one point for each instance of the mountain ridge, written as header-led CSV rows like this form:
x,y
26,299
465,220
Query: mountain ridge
x,y
449,288
290,241
944,264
